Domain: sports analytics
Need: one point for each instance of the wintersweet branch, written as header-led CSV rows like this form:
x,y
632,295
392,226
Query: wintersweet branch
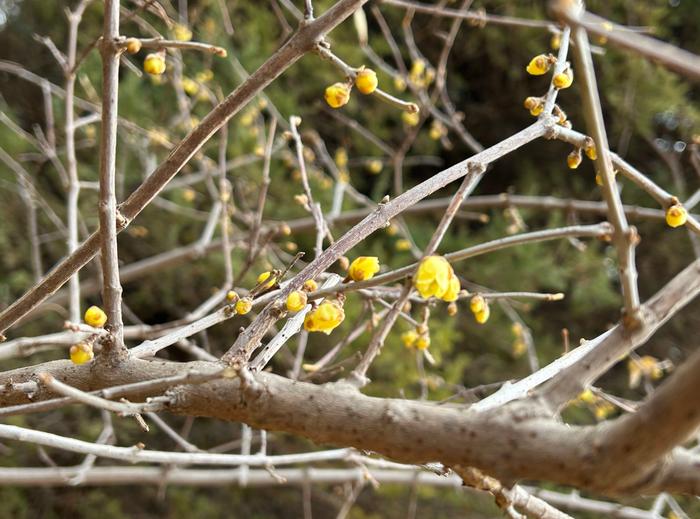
x,y
302,41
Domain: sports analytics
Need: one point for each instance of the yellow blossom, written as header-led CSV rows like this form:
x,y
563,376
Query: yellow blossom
x,y
452,309
563,79
409,338
325,318
375,166
555,41
411,119
403,245
519,348
399,84
539,65
437,130
482,316
423,341
366,81
364,267
337,95
154,63
433,277
95,316
646,366
190,86
205,76
133,45
573,160
591,152
341,157
534,105
477,303
453,289
587,397
676,215
603,409
232,296
310,285
296,301
264,276
244,305
81,353
182,32
392,229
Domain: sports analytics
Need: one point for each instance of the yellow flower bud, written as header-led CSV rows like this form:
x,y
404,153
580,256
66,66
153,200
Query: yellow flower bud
x,y
477,304
364,267
325,318
291,246
244,305
296,301
402,245
232,296
519,348
337,95
341,158
676,215
591,152
555,41
133,45
539,65
190,86
205,76
411,119
409,338
423,342
483,316
573,160
433,278
182,33
399,84
452,309
95,316
310,285
264,276
366,81
587,397
375,166
563,79
154,63
344,262
81,353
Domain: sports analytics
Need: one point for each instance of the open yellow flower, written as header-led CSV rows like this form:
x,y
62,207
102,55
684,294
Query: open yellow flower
x,y
676,215
95,316
81,353
337,95
296,301
154,64
423,342
325,318
453,289
366,81
364,267
433,277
